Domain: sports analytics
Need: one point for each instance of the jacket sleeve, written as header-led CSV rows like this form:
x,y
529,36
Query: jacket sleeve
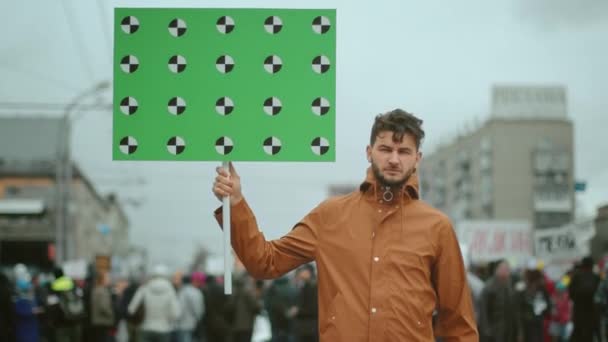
x,y
103,303
203,304
484,312
270,259
137,299
456,322
175,309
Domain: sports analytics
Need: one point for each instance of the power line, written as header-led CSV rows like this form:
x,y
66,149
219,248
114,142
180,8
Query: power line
x,y
39,76
50,106
79,44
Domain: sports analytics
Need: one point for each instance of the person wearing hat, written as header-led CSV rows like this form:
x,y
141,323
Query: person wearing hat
x,y
160,304
27,310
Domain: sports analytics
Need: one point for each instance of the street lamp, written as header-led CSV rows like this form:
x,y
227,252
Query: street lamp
x,y
63,172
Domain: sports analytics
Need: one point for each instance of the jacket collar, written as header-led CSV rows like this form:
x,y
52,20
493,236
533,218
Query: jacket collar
x,y
372,187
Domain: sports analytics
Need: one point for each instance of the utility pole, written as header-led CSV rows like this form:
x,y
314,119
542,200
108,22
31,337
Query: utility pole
x,y
64,175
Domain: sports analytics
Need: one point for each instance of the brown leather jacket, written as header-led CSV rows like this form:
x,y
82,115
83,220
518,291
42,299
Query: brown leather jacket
x,y
383,267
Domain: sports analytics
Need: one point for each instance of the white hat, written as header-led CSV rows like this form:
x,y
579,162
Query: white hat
x,y
532,265
160,270
21,272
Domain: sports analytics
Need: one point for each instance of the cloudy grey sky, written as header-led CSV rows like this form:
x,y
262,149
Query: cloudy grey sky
x,y
435,58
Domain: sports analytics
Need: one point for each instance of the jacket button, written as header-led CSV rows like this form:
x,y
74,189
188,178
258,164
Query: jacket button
x,y
376,259
374,310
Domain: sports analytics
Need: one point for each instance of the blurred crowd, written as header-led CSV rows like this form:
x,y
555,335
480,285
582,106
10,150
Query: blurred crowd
x,y
162,307
525,305
519,304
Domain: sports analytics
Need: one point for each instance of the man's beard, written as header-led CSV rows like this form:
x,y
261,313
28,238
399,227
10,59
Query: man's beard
x,y
390,183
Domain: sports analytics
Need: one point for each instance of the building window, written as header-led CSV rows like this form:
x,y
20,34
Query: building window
x,y
488,210
12,191
551,219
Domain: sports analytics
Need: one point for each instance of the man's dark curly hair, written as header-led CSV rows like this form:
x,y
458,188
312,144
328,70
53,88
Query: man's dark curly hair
x,y
399,122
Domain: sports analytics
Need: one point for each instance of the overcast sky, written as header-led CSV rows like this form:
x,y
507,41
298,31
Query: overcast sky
x,y
437,59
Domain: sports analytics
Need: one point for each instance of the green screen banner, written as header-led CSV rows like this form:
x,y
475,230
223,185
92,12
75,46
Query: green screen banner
x,y
224,84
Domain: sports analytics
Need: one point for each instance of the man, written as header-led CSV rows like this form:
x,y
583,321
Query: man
x,y
498,309
66,308
8,316
585,315
102,309
306,310
216,321
193,307
279,301
385,259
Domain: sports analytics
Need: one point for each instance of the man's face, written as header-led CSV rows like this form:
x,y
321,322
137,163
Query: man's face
x,y
304,275
503,271
393,162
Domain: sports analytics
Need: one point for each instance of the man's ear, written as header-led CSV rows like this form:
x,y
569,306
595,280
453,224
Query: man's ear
x,y
368,152
418,158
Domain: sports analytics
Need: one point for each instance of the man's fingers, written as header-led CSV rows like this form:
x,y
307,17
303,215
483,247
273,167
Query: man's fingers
x,y
221,191
233,170
221,171
223,180
223,187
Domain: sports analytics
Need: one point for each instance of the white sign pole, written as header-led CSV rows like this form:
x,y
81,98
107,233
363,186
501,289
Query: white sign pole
x,y
227,240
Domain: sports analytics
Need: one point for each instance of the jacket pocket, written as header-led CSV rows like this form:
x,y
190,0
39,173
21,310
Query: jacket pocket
x,y
407,320
409,270
328,331
411,297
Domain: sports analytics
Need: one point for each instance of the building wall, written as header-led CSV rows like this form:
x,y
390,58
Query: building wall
x,y
490,173
91,212
34,228
599,244
87,210
515,144
23,183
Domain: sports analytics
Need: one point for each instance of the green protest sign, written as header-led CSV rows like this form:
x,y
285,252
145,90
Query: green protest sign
x,y
224,84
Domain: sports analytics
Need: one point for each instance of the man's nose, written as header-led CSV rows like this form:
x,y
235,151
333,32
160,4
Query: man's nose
x,y
394,158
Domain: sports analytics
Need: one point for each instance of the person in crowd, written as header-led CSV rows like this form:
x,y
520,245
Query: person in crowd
x,y
244,307
306,313
8,319
601,299
217,318
280,301
66,308
550,287
498,310
132,322
535,304
562,307
102,309
27,310
199,281
160,306
193,307
585,315
41,283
